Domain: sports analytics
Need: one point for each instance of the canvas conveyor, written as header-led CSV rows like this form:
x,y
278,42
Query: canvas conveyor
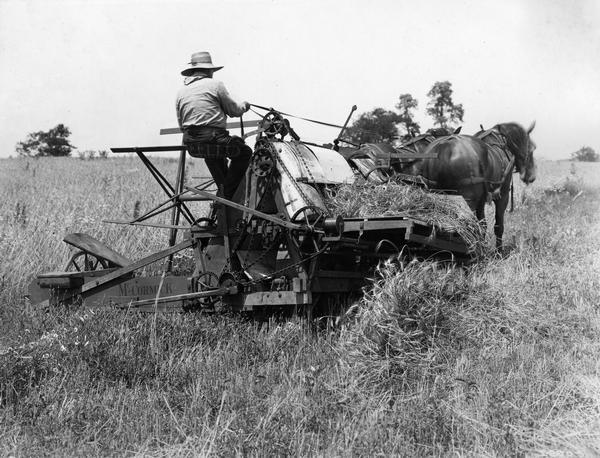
x,y
273,246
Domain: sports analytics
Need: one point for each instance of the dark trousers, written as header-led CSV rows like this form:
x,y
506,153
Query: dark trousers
x,y
217,146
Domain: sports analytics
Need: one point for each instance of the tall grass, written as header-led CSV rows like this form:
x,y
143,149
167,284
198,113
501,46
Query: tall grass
x,y
46,199
496,359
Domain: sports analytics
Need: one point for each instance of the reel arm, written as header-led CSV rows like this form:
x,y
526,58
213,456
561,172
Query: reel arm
x,y
336,142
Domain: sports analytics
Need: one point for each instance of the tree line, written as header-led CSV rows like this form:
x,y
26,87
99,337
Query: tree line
x,y
388,126
54,143
376,126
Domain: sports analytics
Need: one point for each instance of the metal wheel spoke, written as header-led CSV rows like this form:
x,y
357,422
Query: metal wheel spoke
x,y
85,262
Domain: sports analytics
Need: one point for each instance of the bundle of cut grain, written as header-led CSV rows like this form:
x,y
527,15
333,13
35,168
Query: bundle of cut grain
x,y
447,213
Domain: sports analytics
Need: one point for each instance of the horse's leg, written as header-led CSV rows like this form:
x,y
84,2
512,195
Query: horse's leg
x,y
480,212
500,206
476,196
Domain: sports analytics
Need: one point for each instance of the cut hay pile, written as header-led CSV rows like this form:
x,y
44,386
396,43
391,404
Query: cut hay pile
x,y
396,326
446,213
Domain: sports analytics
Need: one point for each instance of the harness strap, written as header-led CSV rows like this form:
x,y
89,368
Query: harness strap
x,y
472,180
507,171
477,180
465,181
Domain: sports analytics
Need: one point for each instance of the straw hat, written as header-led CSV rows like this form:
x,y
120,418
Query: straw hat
x,y
200,60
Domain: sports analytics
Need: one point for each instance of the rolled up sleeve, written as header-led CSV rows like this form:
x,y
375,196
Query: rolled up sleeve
x,y
230,106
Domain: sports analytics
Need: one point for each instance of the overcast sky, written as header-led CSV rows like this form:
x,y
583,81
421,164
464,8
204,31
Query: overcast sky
x,y
110,70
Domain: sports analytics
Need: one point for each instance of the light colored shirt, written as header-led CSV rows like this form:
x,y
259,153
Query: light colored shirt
x,y
205,102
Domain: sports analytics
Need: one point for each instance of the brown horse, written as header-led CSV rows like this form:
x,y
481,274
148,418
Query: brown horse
x,y
411,155
480,166
379,162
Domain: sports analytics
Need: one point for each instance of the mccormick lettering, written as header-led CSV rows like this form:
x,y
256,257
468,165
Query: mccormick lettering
x,y
129,289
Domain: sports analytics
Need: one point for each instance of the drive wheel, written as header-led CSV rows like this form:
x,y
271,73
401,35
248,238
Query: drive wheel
x,y
307,241
205,282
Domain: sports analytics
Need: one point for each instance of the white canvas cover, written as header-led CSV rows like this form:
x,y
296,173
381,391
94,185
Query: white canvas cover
x,y
314,164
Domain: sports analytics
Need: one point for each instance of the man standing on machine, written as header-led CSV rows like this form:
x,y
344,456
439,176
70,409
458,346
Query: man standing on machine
x,y
203,105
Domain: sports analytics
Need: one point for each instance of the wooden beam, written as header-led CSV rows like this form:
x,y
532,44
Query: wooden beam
x,y
106,280
148,149
454,247
375,224
230,125
92,285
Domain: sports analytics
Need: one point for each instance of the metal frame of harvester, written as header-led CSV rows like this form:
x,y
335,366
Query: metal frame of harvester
x,y
272,246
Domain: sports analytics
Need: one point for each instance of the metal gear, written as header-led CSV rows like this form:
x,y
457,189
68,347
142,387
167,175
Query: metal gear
x,y
262,161
274,124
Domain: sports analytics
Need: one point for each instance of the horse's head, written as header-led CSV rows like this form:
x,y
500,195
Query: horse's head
x,y
520,144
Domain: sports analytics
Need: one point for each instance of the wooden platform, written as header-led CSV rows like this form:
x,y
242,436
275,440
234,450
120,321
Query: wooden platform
x,y
94,246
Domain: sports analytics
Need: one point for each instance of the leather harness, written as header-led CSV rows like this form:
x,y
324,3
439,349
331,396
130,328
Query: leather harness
x,y
500,143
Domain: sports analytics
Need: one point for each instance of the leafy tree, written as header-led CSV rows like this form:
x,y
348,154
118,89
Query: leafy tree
x,y
441,106
439,131
54,142
585,154
406,106
376,126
